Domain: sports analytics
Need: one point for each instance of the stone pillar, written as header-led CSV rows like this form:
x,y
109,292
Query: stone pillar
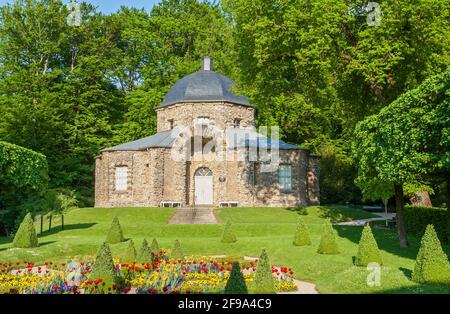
x,y
313,174
101,192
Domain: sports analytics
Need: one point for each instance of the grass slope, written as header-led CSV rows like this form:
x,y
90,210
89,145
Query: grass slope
x,y
256,228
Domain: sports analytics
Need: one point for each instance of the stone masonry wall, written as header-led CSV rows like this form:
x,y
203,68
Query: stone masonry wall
x,y
153,176
313,176
221,114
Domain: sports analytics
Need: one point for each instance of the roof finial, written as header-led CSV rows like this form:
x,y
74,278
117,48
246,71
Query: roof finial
x,y
207,64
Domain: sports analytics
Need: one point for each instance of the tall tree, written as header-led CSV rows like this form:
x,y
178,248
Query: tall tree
x,y
163,47
316,68
55,86
406,143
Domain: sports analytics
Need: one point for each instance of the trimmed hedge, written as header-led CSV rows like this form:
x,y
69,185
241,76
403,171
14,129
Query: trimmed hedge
x,y
115,234
177,252
145,253
26,234
301,237
228,234
432,264
23,174
236,282
154,247
417,219
263,282
368,251
104,268
22,168
328,243
130,253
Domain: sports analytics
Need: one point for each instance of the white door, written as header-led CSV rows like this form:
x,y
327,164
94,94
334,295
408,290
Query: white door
x,y
203,187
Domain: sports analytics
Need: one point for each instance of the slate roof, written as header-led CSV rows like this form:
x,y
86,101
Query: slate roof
x,y
203,86
159,140
257,140
166,140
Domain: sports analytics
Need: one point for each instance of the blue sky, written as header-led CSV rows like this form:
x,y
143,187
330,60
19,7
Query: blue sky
x,y
108,6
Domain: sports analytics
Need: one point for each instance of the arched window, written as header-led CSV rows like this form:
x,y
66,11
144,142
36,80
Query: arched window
x,y
203,172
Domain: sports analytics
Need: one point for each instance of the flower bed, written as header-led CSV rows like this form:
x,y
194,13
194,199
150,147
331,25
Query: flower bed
x,y
164,276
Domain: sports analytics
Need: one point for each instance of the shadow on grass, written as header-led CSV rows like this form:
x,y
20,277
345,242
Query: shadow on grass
x,y
5,240
299,210
342,213
387,240
407,272
420,289
334,213
58,229
46,243
41,244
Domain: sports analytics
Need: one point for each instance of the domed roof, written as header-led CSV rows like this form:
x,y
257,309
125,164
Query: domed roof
x,y
203,86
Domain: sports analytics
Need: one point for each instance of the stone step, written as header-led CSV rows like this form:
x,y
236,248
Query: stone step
x,y
197,215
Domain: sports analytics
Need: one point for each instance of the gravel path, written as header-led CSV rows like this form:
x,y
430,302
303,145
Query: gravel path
x,y
362,222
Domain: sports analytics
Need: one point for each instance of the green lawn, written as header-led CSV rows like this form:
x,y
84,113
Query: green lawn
x,y
256,228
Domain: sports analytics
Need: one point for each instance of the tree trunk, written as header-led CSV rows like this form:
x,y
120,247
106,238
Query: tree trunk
x,y
448,191
62,222
421,199
385,202
49,222
400,215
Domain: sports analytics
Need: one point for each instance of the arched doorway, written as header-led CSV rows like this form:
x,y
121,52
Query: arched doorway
x,y
203,179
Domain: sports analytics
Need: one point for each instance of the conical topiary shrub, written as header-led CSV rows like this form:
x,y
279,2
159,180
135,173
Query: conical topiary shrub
x,y
155,247
432,264
263,282
130,253
328,244
301,237
145,253
177,252
26,234
236,282
228,234
368,251
115,234
104,269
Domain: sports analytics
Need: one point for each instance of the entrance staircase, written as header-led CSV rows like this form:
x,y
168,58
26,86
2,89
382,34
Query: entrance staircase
x,y
194,215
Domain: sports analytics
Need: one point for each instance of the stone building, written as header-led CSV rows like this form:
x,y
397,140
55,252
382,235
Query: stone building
x,y
206,152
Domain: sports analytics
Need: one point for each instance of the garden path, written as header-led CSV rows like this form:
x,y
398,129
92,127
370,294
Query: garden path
x,y
362,222
303,287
